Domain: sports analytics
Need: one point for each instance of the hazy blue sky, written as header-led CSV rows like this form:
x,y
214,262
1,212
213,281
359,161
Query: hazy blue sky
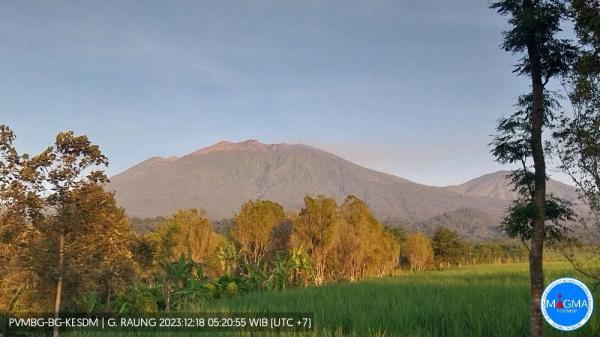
x,y
412,88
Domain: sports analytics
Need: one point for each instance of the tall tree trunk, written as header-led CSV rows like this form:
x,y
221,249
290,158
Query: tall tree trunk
x,y
539,193
167,295
59,282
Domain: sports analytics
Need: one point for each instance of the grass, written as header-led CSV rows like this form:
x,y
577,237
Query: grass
x,y
483,300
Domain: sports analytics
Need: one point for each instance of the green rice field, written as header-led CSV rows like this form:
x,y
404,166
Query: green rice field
x,y
483,300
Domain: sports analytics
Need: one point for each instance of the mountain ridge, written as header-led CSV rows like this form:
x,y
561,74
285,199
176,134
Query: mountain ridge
x,y
496,185
221,177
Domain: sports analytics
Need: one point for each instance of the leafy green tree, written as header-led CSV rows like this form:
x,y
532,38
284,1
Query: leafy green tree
x,y
585,74
186,236
578,139
139,299
448,247
519,223
535,25
397,232
493,252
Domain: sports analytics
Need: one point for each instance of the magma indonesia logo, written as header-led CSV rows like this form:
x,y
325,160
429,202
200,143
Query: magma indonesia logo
x,y
567,304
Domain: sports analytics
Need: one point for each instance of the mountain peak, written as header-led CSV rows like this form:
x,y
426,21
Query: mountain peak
x,y
223,146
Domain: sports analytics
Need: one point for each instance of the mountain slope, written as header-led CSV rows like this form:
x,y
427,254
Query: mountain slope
x,y
469,222
221,177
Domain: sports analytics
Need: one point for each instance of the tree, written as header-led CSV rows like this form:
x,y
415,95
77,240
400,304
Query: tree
x,y
143,250
512,145
578,139
185,236
397,232
254,229
188,233
448,247
386,254
315,231
417,251
533,34
183,280
20,205
54,208
345,242
96,250
354,249
364,249
68,165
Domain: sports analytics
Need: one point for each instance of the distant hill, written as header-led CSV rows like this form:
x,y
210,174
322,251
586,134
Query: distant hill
x,y
496,185
220,178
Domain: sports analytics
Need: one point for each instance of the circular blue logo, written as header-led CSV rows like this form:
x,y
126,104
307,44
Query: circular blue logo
x,y
567,304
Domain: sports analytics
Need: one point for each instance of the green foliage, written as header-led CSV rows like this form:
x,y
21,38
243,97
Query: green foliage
x,y
87,303
290,269
448,248
139,299
537,23
397,232
367,250
182,283
578,139
511,145
230,259
512,142
534,34
498,253
518,222
584,78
